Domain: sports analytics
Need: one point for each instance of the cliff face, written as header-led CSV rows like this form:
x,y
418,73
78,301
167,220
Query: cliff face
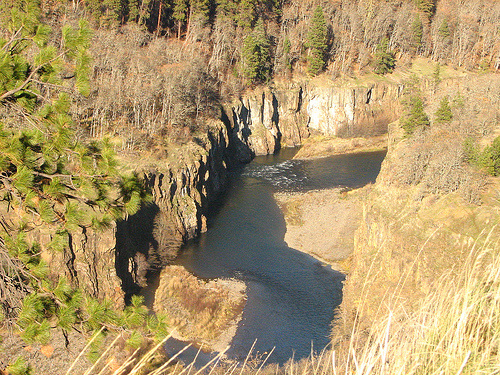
x,y
266,119
108,263
181,196
261,122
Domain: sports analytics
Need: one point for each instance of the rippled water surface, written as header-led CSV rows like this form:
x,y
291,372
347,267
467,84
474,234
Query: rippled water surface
x,y
291,296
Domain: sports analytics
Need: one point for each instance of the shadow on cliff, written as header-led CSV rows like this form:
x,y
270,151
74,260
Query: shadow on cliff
x,y
238,148
137,250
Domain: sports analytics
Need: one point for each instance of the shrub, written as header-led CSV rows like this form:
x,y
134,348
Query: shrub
x,y
487,159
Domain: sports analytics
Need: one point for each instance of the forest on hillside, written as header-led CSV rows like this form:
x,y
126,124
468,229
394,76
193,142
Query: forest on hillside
x,y
161,68
83,79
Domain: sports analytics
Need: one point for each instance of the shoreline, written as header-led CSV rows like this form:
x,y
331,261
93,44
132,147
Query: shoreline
x,y
321,146
322,223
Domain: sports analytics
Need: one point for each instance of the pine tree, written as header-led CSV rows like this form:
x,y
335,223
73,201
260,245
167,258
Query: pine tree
x,y
384,59
428,7
200,11
48,179
180,14
317,42
415,116
246,13
417,31
256,54
443,113
19,367
444,29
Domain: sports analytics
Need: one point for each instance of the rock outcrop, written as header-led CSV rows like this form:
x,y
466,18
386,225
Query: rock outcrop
x,y
181,193
268,118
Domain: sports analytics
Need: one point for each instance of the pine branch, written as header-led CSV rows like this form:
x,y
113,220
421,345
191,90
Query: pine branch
x,y
13,39
29,79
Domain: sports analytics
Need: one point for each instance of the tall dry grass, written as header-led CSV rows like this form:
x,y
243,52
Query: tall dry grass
x,y
456,330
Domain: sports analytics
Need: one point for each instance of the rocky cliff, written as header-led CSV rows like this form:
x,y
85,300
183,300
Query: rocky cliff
x,y
268,118
182,190
114,262
429,206
108,263
261,122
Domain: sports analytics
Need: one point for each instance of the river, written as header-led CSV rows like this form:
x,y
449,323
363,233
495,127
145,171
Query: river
x,y
291,296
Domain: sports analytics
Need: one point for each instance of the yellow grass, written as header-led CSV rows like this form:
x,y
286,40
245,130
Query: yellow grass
x,y
456,330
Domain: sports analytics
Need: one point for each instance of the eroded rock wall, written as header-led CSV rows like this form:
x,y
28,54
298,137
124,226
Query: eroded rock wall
x,y
268,118
181,196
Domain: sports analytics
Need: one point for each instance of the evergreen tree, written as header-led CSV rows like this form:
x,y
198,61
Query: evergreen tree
x,y
414,116
317,42
443,113
436,75
180,14
256,54
444,29
246,13
200,11
134,10
226,8
48,180
428,7
417,31
384,59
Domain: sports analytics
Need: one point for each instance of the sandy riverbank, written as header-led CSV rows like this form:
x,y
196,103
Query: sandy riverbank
x,y
322,223
321,146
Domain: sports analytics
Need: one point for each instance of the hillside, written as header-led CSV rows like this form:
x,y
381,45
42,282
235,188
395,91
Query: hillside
x,y
121,119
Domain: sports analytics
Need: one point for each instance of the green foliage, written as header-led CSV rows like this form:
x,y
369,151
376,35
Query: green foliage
x,y
428,7
436,75
19,367
179,13
487,159
241,12
99,313
95,349
134,315
256,54
443,113
158,325
135,340
414,116
417,32
317,42
32,318
246,13
22,72
458,101
200,11
444,29
384,59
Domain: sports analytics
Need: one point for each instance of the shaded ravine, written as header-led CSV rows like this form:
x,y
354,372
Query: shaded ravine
x,y
291,296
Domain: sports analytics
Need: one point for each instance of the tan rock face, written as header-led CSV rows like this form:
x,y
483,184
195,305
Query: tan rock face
x,y
181,196
264,119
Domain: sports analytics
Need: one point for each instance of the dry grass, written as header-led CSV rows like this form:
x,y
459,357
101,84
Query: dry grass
x,y
200,311
455,330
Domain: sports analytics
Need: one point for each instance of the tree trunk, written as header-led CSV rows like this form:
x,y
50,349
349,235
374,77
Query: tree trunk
x,y
160,9
188,27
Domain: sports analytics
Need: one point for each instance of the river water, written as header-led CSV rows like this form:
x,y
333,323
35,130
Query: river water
x,y
291,296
